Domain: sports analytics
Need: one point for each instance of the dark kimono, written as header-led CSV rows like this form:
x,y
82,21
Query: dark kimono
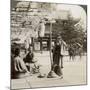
x,y
29,58
56,59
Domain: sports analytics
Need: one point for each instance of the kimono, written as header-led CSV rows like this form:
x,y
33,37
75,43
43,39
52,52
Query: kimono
x,y
29,58
18,67
56,60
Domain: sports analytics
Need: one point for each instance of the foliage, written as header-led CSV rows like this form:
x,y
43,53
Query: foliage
x,y
71,34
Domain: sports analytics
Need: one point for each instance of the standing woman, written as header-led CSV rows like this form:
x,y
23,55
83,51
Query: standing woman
x,y
57,56
71,51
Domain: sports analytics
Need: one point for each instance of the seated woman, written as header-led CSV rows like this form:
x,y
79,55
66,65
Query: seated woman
x,y
30,62
19,65
29,57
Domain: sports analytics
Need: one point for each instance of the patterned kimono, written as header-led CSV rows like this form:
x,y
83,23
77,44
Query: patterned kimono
x,y
18,67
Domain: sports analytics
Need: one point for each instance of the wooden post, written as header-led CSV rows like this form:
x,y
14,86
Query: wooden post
x,y
51,74
51,45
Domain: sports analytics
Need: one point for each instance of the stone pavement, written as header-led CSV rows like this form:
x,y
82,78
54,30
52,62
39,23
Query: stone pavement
x,y
74,73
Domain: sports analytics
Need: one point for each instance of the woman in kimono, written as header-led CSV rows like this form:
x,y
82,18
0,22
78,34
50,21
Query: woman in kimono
x,y
57,56
56,59
19,67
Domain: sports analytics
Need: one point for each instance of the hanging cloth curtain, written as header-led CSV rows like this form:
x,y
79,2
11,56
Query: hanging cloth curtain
x,y
41,29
